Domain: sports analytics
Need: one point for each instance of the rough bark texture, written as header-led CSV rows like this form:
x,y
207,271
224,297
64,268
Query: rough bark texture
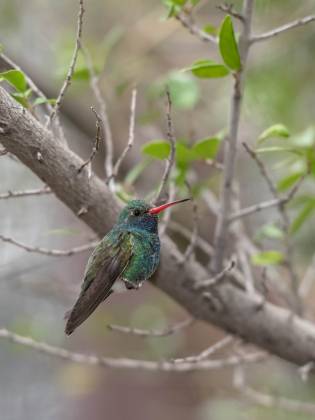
x,y
274,329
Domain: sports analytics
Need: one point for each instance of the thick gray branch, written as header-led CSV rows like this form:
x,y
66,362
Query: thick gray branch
x,y
274,329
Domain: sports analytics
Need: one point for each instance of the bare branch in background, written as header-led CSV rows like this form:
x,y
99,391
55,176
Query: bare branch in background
x,y
270,401
125,363
166,218
194,235
230,144
131,136
26,193
164,332
276,202
205,354
107,132
96,145
172,140
285,225
215,279
49,252
287,26
67,82
187,234
188,23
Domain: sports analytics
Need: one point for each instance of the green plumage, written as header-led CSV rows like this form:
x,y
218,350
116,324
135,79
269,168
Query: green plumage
x,y
129,252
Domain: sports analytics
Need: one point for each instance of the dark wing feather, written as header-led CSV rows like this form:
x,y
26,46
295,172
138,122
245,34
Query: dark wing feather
x,y
106,264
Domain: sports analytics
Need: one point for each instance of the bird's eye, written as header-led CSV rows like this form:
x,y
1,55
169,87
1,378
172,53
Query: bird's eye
x,y
136,212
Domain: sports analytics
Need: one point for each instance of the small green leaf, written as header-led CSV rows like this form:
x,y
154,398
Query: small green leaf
x,y
16,79
184,154
289,181
206,69
210,29
207,148
276,130
270,231
267,258
81,74
158,149
305,213
228,45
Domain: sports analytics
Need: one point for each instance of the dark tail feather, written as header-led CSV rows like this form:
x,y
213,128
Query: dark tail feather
x,y
81,310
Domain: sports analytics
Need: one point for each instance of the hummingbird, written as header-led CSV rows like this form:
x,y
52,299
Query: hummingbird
x,y
128,255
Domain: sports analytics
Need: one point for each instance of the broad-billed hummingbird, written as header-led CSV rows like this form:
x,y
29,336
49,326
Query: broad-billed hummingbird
x,y
128,255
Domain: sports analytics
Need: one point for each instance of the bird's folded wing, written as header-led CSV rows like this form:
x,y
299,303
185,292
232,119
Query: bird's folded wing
x,y
105,265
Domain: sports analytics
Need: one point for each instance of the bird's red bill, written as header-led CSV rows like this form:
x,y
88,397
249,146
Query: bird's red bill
x,y
157,210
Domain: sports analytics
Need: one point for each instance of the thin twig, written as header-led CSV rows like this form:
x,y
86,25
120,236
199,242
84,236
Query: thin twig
x,y
230,145
164,332
125,363
166,218
50,252
95,146
108,138
213,281
188,23
287,26
205,354
229,9
187,234
271,401
68,79
285,224
256,208
172,140
131,136
25,193
193,239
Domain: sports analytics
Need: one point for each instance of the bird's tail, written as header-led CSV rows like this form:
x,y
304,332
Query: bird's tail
x,y
81,310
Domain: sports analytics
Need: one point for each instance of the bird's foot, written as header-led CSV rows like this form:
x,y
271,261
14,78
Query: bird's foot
x,y
129,285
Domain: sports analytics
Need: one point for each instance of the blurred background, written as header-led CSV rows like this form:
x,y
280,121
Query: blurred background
x,y
133,44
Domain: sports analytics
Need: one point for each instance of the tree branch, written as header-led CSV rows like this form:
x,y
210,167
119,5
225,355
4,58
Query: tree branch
x,y
273,328
230,144
125,363
287,26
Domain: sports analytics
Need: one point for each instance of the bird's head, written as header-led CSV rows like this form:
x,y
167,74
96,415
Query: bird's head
x,y
140,214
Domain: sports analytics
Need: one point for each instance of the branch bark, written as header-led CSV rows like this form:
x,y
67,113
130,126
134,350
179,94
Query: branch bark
x,y
273,328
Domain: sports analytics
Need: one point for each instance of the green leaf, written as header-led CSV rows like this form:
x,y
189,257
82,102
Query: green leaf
x,y
270,231
158,149
184,154
267,258
289,181
206,69
305,213
228,45
184,90
81,74
16,79
276,130
210,29
207,148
